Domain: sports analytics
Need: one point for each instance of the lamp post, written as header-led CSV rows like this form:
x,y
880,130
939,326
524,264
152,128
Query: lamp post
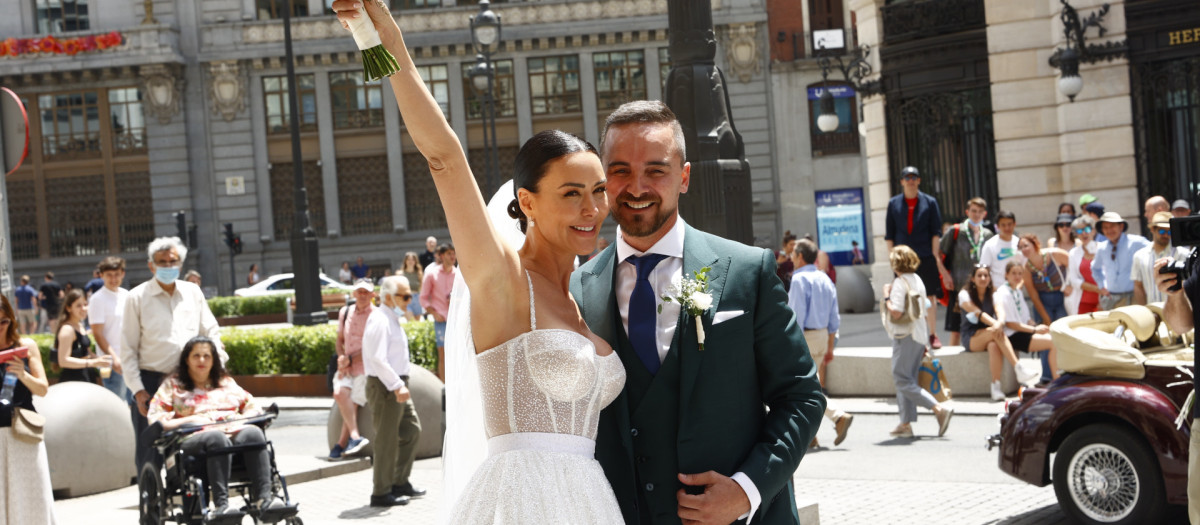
x,y
304,238
485,36
853,72
1067,59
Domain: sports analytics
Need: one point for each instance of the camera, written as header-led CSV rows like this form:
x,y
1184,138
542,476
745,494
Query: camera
x,y
1185,231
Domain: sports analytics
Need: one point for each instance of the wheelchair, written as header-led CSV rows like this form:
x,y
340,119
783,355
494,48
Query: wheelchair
x,y
172,487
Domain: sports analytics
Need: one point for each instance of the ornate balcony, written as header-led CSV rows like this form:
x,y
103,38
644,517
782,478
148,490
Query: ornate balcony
x,y
142,44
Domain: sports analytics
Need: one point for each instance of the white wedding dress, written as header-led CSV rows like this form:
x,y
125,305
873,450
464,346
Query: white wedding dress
x,y
542,395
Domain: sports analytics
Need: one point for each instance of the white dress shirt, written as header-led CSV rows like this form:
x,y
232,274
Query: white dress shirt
x,y
157,325
668,271
385,348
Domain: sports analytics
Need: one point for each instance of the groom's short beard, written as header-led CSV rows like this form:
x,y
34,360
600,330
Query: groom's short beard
x,y
641,226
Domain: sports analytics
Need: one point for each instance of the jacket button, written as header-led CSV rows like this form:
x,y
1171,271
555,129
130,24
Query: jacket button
x,y
649,487
633,432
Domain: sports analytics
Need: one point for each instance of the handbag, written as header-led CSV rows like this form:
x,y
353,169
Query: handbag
x,y
913,310
28,426
932,378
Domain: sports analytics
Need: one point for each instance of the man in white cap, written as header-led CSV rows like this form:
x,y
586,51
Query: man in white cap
x,y
350,383
1144,290
1114,273
1181,208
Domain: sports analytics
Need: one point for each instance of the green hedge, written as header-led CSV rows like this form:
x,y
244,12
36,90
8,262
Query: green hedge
x,y
306,350
255,305
292,350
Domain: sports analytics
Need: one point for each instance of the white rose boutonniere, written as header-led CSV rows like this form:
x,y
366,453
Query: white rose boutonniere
x,y
693,297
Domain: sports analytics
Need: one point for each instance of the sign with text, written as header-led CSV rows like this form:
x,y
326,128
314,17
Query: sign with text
x,y
842,226
814,93
1183,36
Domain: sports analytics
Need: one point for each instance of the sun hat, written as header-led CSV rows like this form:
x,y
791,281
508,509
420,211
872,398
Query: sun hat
x,y
1113,217
1161,218
1064,218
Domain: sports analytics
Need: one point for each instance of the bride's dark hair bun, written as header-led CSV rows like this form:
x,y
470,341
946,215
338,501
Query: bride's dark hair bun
x,y
514,211
535,155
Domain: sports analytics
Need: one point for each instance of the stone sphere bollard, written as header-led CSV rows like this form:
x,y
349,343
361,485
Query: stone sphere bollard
x,y
855,294
89,439
426,390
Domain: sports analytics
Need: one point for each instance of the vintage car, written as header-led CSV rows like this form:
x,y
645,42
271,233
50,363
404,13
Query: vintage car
x,y
1111,421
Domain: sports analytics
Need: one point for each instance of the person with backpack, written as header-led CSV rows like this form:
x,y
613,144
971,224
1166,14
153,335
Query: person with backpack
x,y
906,304
350,383
960,254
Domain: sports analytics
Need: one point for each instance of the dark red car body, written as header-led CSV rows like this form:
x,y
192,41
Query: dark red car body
x,y
1037,424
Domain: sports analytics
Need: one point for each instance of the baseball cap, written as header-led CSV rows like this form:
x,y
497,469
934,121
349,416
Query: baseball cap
x,y
1094,207
1086,198
1162,218
910,172
364,284
1181,203
1064,218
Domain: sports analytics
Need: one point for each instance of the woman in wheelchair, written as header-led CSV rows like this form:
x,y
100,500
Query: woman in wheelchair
x,y
201,393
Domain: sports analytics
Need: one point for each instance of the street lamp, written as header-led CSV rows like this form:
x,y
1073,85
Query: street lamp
x,y
304,238
485,36
1067,59
853,72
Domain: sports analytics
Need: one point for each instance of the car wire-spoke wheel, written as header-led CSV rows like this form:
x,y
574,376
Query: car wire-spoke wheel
x,y
1107,474
1103,482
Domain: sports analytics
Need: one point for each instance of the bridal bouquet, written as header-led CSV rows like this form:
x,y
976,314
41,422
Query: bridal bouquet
x,y
693,297
377,61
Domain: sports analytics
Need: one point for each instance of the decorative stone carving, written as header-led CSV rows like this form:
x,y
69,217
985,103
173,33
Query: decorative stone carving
x,y
162,87
227,88
742,50
442,20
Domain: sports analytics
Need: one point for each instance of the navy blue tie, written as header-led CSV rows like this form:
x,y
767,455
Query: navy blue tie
x,y
643,312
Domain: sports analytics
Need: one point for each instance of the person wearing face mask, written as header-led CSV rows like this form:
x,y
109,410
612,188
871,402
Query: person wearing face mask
x,y
961,247
397,427
161,315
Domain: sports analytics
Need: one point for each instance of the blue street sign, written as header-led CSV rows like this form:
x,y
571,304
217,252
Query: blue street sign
x,y
814,93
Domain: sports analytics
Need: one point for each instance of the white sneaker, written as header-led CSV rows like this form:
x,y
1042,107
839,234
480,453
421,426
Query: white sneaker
x,y
1027,375
997,392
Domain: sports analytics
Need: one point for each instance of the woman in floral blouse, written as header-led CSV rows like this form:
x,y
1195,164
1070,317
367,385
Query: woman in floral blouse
x,y
202,393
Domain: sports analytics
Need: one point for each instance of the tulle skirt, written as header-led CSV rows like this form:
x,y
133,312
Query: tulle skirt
x,y
25,497
538,478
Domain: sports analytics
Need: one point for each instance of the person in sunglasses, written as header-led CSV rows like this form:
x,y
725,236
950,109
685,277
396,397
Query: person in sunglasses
x,y
1081,290
1144,290
397,427
1114,262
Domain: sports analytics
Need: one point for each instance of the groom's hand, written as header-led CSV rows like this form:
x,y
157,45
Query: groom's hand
x,y
722,501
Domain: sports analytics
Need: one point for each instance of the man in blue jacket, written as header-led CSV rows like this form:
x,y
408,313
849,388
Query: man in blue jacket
x,y
914,220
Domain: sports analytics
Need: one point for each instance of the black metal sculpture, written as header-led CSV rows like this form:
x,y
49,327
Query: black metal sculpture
x,y
718,198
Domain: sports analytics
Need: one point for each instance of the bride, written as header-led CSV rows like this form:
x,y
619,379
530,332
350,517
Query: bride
x,y
543,376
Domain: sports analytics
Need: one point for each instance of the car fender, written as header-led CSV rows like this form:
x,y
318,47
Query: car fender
x,y
1038,426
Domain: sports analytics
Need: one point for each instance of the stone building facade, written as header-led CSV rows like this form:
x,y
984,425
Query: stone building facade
x,y
189,113
971,99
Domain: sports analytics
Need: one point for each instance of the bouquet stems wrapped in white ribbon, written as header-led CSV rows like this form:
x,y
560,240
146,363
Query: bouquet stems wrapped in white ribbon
x,y
377,61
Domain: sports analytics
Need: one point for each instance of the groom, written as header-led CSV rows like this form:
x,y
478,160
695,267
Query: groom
x,y
690,438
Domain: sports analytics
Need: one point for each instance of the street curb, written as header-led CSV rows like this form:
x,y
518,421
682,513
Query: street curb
x,y
335,469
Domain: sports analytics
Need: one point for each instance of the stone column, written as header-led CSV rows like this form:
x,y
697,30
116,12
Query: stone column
x,y
587,85
1049,150
870,33
328,159
391,124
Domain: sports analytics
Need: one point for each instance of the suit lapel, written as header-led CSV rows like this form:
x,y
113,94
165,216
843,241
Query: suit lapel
x,y
697,254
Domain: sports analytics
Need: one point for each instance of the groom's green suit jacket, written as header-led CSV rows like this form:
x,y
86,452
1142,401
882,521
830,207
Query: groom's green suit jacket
x,y
707,409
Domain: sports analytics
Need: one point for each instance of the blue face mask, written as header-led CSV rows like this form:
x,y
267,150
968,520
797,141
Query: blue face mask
x,y
974,223
398,310
166,275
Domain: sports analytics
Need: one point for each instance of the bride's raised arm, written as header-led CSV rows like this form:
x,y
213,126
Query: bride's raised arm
x,y
486,261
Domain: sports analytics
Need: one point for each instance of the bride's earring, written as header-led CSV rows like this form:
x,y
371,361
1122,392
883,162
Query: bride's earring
x,y
530,222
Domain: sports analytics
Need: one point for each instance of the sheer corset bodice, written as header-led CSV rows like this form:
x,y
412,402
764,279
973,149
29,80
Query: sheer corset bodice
x,y
548,380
